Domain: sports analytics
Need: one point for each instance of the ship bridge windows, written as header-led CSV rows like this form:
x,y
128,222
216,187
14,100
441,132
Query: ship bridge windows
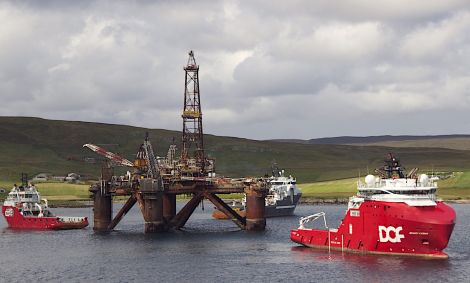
x,y
415,192
399,192
27,196
371,192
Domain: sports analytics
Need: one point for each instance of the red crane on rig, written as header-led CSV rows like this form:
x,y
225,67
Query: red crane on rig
x,y
156,181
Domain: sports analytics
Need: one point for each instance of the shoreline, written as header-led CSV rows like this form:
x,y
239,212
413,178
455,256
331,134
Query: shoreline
x,y
303,201
308,201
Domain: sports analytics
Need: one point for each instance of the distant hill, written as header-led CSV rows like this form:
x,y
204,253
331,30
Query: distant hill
x,y
34,145
379,140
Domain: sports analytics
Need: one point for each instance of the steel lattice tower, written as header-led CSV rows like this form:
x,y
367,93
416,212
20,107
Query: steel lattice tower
x,y
192,117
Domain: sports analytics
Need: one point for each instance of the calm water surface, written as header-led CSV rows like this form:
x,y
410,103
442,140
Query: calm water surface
x,y
210,250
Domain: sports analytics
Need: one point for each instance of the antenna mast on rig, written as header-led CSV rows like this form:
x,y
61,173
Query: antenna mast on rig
x,y
192,153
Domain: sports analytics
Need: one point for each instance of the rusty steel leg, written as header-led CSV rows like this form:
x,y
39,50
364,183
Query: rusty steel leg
x,y
102,209
153,212
151,202
169,206
125,208
183,215
140,201
255,201
222,206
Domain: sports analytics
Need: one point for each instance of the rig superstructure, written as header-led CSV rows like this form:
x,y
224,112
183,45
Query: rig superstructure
x,y
155,182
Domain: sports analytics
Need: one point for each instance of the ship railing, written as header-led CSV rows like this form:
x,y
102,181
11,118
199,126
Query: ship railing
x,y
396,189
399,196
67,219
312,218
398,184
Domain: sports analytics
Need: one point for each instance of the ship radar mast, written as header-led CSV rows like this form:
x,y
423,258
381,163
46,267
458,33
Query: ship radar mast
x,y
392,168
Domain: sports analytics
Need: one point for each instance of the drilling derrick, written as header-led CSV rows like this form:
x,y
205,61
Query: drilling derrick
x,y
192,152
155,182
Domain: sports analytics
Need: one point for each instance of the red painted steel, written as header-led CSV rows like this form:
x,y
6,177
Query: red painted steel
x,y
380,227
17,221
110,155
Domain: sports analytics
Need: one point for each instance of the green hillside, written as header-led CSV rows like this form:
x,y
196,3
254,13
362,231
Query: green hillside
x,y
34,145
456,187
459,143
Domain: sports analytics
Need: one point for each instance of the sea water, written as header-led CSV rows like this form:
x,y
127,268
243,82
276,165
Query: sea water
x,y
209,250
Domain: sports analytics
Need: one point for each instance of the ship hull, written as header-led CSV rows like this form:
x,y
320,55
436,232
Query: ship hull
x,y
378,227
284,207
16,220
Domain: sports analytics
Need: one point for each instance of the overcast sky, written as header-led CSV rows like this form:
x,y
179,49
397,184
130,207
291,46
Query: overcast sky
x,y
268,69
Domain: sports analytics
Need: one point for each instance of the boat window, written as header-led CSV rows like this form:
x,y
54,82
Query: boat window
x,y
372,192
415,192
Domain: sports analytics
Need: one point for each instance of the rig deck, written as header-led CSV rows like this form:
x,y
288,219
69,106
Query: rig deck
x,y
155,182
157,201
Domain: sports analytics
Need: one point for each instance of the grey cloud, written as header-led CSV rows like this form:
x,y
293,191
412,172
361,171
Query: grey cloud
x,y
317,68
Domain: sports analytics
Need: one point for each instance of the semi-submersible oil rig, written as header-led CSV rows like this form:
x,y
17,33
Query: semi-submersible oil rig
x,y
155,182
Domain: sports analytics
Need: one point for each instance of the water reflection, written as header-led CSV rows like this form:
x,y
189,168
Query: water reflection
x,y
208,250
371,267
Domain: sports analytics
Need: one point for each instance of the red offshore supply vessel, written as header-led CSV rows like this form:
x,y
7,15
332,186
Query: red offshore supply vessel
x,y
24,209
394,214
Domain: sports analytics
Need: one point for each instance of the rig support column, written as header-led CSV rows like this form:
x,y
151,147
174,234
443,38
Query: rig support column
x,y
222,206
152,194
123,211
169,206
255,199
183,215
103,207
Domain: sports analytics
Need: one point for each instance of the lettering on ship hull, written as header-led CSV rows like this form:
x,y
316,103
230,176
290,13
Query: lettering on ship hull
x,y
390,234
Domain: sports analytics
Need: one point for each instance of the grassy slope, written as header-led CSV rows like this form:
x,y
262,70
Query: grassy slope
x,y
35,145
55,192
329,189
452,143
456,187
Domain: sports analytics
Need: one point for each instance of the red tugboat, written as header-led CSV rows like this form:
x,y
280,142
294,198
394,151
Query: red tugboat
x,y
24,209
393,214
